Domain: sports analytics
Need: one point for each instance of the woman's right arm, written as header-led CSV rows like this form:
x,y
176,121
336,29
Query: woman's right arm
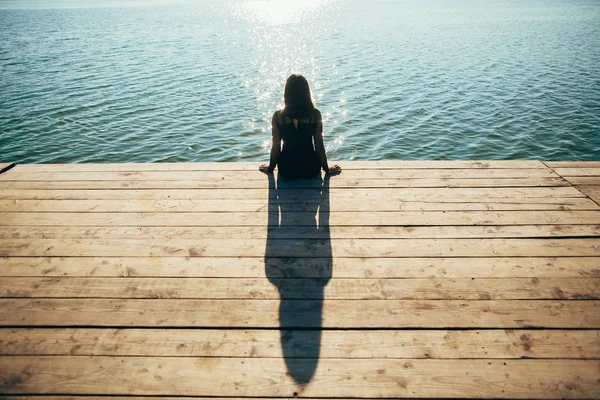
x,y
276,145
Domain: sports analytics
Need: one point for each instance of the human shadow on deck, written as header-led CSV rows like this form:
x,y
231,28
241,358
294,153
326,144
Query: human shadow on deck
x,y
298,262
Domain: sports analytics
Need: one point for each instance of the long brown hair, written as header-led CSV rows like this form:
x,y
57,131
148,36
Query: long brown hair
x,y
297,97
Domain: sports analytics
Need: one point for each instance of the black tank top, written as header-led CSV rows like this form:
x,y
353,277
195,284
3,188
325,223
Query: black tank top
x,y
298,158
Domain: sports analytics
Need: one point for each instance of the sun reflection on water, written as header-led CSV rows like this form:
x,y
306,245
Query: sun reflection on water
x,y
284,38
278,12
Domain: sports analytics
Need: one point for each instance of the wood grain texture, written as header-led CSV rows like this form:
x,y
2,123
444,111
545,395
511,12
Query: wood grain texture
x,y
454,194
300,184
254,267
252,343
295,205
253,166
300,232
583,180
4,167
347,314
427,279
267,377
360,248
572,164
593,192
18,175
399,218
569,172
303,288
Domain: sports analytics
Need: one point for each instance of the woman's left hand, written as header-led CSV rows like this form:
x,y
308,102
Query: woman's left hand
x,y
264,168
334,170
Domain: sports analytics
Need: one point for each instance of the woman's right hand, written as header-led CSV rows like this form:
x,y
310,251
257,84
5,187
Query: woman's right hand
x,y
264,168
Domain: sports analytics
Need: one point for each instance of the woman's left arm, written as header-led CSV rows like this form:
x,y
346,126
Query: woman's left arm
x,y
320,148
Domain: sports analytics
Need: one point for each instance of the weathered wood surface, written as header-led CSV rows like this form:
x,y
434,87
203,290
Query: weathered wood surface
x,y
593,192
346,314
303,288
254,267
583,180
300,184
267,377
579,173
252,166
433,344
18,175
360,248
295,205
301,218
301,232
432,279
570,172
473,195
571,164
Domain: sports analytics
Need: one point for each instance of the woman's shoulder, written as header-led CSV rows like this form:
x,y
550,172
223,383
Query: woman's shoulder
x,y
277,117
317,115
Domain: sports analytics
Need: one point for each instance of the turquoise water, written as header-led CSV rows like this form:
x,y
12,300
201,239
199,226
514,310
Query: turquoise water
x,y
198,81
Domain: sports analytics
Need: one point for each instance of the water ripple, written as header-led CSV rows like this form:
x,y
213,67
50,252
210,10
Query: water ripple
x,y
394,80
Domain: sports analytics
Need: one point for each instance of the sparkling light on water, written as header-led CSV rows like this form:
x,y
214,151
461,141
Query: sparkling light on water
x,y
279,12
278,34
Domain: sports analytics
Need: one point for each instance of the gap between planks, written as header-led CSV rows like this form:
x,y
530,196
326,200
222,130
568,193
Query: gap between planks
x,y
4,167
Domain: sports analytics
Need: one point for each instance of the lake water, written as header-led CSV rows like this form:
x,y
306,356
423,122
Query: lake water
x,y
135,81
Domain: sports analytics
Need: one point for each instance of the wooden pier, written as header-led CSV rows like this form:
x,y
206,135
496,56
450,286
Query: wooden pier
x,y
397,279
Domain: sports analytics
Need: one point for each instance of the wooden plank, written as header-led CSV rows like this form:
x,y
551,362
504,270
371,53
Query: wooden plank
x,y
400,218
300,232
570,172
346,314
529,204
336,182
593,192
584,180
20,175
400,194
5,167
50,397
572,164
127,397
227,267
253,166
302,288
360,248
269,377
433,344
